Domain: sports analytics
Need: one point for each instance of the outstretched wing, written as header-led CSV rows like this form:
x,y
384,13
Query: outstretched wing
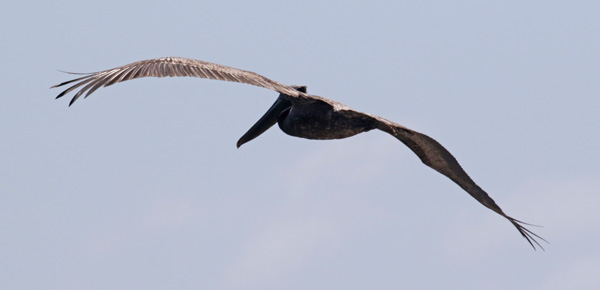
x,y
171,67
434,155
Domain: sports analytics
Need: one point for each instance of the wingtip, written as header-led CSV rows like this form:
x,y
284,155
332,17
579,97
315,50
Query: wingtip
x,y
59,85
528,234
60,95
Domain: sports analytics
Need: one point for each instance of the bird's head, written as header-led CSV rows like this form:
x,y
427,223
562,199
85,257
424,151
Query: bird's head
x,y
300,88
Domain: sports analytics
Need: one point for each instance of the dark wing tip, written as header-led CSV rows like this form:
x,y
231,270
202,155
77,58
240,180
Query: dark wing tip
x,y
72,101
60,85
82,79
61,94
528,234
67,82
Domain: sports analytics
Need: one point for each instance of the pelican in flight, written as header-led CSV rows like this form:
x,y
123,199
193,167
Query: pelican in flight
x,y
299,114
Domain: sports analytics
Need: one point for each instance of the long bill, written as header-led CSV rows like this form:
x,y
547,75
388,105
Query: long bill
x,y
266,121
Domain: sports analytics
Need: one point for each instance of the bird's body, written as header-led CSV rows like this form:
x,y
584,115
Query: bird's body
x,y
299,114
319,120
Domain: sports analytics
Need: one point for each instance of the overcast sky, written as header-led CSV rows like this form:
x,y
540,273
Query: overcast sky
x,y
140,186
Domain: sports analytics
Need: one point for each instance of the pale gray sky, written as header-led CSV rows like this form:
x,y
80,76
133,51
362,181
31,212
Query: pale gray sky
x,y
141,186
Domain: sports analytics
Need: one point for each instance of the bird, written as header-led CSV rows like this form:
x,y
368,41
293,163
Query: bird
x,y
298,114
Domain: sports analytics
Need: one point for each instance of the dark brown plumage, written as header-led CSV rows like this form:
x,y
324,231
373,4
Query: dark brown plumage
x,y
299,114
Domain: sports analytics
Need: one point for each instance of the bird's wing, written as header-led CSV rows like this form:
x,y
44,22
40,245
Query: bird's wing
x,y
171,67
434,155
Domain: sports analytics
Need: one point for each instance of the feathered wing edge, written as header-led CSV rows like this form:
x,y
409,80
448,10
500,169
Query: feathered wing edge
x,y
434,155
170,67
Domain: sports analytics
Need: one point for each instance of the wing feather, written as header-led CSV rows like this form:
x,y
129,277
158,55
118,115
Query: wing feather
x,y
171,67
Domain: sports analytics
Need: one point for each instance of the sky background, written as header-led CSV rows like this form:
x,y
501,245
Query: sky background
x,y
140,186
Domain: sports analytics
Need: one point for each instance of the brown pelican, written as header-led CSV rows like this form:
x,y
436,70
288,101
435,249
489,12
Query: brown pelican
x,y
299,114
